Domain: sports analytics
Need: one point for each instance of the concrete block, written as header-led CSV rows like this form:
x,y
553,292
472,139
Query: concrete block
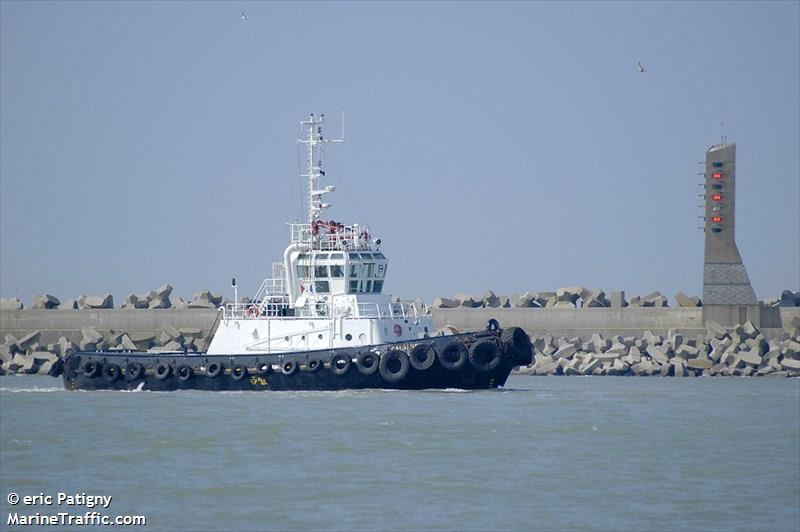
x,y
618,299
644,367
778,374
69,304
657,354
206,295
715,330
469,301
790,363
566,351
28,340
570,294
547,367
787,299
127,344
751,357
159,303
45,302
522,300
490,300
505,301
543,298
439,302
699,363
686,352
99,302
600,344
191,332
11,303
685,301
636,301
179,303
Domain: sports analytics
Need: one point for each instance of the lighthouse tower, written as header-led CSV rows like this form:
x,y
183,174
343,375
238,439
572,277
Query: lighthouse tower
x,y
728,296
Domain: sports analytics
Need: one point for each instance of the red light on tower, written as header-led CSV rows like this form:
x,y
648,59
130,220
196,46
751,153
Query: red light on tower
x,y
717,175
716,219
717,197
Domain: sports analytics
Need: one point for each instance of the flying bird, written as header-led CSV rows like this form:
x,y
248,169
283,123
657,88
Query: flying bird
x,y
244,16
641,67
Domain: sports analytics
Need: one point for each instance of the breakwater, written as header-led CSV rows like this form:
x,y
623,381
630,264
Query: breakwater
x,y
577,337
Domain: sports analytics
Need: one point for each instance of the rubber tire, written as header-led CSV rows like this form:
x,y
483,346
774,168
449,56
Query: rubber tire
x,y
445,355
391,356
313,365
422,349
263,368
482,350
90,369
238,372
214,369
361,362
133,371
339,371
162,371
517,344
184,372
111,372
289,367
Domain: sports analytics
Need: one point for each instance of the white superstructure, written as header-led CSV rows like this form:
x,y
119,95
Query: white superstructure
x,y
327,292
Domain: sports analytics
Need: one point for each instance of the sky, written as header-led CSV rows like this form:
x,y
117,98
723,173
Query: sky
x,y
506,146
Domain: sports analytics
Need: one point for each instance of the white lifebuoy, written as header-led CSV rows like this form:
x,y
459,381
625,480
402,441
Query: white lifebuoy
x,y
398,330
252,311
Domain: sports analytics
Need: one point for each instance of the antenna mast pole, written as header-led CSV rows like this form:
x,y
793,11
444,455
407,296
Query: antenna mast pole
x,y
315,171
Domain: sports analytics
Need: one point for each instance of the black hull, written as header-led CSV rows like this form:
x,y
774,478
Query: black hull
x,y
466,361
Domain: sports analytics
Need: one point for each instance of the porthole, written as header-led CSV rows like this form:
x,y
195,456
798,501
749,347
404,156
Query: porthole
x,y
348,337
319,336
286,338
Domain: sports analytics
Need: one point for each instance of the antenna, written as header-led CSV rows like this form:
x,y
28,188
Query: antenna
x,y
722,139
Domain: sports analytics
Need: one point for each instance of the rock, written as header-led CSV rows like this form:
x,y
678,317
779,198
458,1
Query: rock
x,y
547,367
98,302
191,332
439,302
68,304
65,346
179,303
45,302
207,296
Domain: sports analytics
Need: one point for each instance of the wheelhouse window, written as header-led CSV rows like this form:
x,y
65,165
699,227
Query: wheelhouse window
x,y
353,287
335,256
302,271
322,287
377,286
337,270
320,271
380,271
366,269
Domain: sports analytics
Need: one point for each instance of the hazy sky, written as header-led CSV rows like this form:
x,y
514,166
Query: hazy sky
x,y
511,146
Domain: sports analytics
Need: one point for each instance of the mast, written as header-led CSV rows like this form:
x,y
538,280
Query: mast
x,y
315,172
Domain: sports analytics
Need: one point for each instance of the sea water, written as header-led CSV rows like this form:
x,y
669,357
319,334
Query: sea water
x,y
545,453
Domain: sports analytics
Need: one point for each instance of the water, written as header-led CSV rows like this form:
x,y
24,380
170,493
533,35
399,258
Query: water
x,y
557,453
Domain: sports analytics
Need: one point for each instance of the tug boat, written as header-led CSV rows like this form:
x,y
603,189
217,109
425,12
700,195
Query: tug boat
x,y
321,322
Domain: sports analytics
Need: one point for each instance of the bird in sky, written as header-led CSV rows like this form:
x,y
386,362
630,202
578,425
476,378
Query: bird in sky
x,y
244,16
641,67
